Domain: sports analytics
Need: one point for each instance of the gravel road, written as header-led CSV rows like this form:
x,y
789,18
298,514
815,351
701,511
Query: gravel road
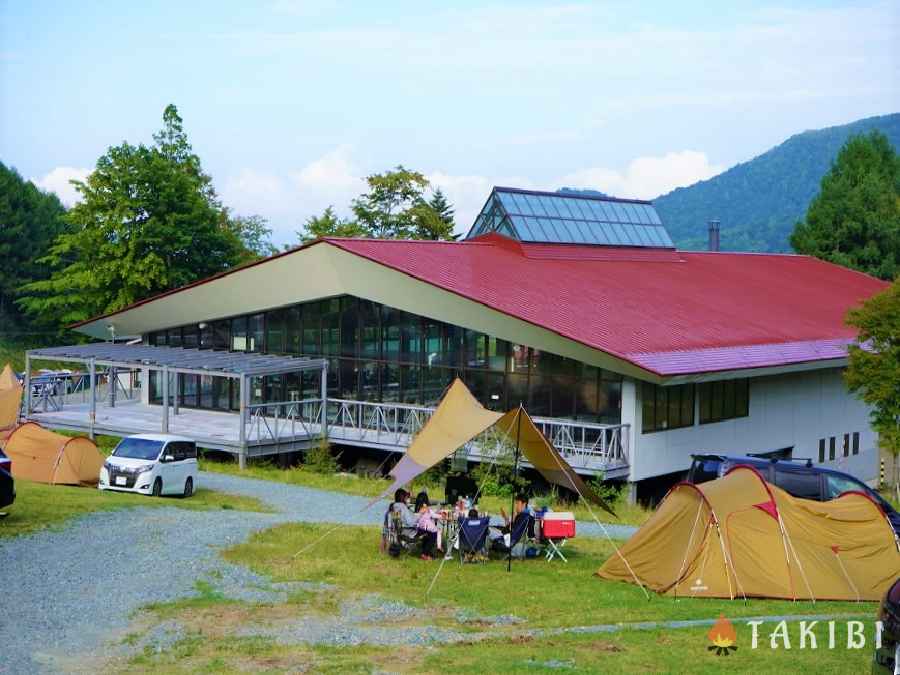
x,y
73,591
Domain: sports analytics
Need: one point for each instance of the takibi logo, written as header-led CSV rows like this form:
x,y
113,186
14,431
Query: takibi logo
x,y
723,636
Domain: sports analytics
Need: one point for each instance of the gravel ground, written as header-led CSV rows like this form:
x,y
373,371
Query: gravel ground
x,y
74,591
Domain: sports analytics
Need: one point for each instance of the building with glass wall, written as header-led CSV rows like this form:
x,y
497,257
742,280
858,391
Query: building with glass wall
x,y
576,306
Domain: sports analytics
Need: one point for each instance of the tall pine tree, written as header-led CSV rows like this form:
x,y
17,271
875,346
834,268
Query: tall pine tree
x,y
855,219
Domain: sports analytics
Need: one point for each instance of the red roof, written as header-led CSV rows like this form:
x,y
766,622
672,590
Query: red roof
x,y
669,312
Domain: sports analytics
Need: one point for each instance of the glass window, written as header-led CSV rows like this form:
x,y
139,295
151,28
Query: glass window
x,y
391,329
540,396
174,337
846,445
206,336
274,385
275,332
521,206
255,333
221,335
369,330
157,339
821,450
190,337
189,387
206,391
831,449
331,327
538,205
855,442
390,382
724,400
409,384
667,407
349,326
835,486
799,483
434,381
221,386
519,359
239,334
293,334
311,329
516,389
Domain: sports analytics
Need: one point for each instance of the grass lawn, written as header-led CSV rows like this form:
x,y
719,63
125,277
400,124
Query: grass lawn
x,y
546,596
628,514
38,506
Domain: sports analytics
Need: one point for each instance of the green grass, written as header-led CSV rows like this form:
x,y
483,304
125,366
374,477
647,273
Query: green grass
x,y
549,596
545,594
628,514
39,506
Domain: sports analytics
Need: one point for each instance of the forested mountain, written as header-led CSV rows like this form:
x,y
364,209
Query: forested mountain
x,y
759,201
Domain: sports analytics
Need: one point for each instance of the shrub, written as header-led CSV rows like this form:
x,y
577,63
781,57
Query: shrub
x,y
320,460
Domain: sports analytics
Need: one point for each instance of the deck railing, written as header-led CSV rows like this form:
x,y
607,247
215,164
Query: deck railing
x,y
393,425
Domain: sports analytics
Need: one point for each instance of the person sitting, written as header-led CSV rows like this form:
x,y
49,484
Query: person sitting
x,y
408,520
427,529
501,540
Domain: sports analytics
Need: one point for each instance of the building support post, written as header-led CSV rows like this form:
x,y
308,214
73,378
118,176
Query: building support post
x,y
176,394
324,425
92,369
242,432
27,385
165,399
113,383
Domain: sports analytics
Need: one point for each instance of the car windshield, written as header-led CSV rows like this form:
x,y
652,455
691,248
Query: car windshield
x,y
138,448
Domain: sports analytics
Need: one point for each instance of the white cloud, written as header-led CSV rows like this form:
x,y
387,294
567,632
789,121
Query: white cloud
x,y
58,181
335,179
646,177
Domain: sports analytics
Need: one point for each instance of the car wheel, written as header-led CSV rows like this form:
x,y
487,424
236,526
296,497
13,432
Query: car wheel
x,y
188,487
157,487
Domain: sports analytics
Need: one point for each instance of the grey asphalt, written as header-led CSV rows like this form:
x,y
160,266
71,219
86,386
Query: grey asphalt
x,y
74,590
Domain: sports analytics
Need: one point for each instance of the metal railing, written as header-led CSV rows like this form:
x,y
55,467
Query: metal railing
x,y
393,425
50,392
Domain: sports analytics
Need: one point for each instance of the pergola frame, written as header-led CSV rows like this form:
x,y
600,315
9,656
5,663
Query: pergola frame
x,y
176,361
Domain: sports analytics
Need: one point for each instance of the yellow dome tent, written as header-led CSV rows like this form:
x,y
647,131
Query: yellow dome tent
x,y
740,537
40,455
10,400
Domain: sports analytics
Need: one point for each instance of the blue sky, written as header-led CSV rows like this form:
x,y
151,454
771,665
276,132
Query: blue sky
x,y
290,103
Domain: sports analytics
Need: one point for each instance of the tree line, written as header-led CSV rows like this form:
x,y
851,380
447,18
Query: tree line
x,y
149,220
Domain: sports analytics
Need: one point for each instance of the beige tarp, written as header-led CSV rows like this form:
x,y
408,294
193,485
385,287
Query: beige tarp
x,y
40,455
10,400
459,418
742,537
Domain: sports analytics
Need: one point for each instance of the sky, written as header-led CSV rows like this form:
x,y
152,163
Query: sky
x,y
291,103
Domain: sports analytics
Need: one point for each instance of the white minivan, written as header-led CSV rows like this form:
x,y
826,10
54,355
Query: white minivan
x,y
152,464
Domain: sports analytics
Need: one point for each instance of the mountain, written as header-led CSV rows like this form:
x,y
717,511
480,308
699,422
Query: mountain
x,y
759,201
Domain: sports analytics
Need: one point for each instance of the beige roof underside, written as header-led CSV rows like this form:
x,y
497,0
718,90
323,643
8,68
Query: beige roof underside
x,y
322,271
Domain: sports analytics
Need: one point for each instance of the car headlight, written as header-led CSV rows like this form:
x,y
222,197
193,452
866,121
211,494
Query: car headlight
x,y
144,468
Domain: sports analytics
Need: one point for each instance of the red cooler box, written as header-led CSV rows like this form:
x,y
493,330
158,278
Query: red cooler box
x,y
558,525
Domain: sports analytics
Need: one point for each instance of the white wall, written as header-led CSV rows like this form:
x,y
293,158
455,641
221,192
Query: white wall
x,y
795,409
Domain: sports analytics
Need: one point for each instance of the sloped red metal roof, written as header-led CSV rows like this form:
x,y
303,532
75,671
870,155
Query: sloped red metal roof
x,y
670,312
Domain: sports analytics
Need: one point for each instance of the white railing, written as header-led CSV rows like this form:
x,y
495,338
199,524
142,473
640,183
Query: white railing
x,y
394,425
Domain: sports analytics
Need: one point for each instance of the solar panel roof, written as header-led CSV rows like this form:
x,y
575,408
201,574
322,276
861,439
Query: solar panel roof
x,y
567,218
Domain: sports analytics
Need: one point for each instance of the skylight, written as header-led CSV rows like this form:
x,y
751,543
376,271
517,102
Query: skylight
x,y
564,218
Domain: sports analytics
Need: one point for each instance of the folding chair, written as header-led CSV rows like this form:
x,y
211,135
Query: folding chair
x,y
472,535
397,534
522,528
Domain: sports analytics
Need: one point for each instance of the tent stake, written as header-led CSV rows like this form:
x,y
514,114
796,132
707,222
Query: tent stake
x,y
512,505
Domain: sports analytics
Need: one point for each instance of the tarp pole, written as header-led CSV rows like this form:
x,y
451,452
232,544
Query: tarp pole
x,y
512,506
27,385
92,368
165,400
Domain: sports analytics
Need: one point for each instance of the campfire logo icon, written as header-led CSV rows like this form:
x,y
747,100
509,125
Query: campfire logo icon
x,y
723,636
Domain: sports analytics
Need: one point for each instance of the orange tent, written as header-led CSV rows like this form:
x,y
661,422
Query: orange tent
x,y
10,400
40,455
742,537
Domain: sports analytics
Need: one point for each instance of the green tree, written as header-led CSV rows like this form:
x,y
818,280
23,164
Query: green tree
x,y
443,209
30,220
873,372
329,224
149,220
855,219
395,208
254,234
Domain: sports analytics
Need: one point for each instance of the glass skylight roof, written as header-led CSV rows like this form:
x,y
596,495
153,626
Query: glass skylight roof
x,y
563,218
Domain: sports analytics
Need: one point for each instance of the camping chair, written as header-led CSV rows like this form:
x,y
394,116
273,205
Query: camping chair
x,y
522,528
472,536
395,536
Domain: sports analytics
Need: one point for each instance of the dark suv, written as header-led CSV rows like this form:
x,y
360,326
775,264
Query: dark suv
x,y
7,485
796,477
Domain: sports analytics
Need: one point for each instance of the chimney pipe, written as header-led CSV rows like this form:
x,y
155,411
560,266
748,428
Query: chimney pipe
x,y
714,235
